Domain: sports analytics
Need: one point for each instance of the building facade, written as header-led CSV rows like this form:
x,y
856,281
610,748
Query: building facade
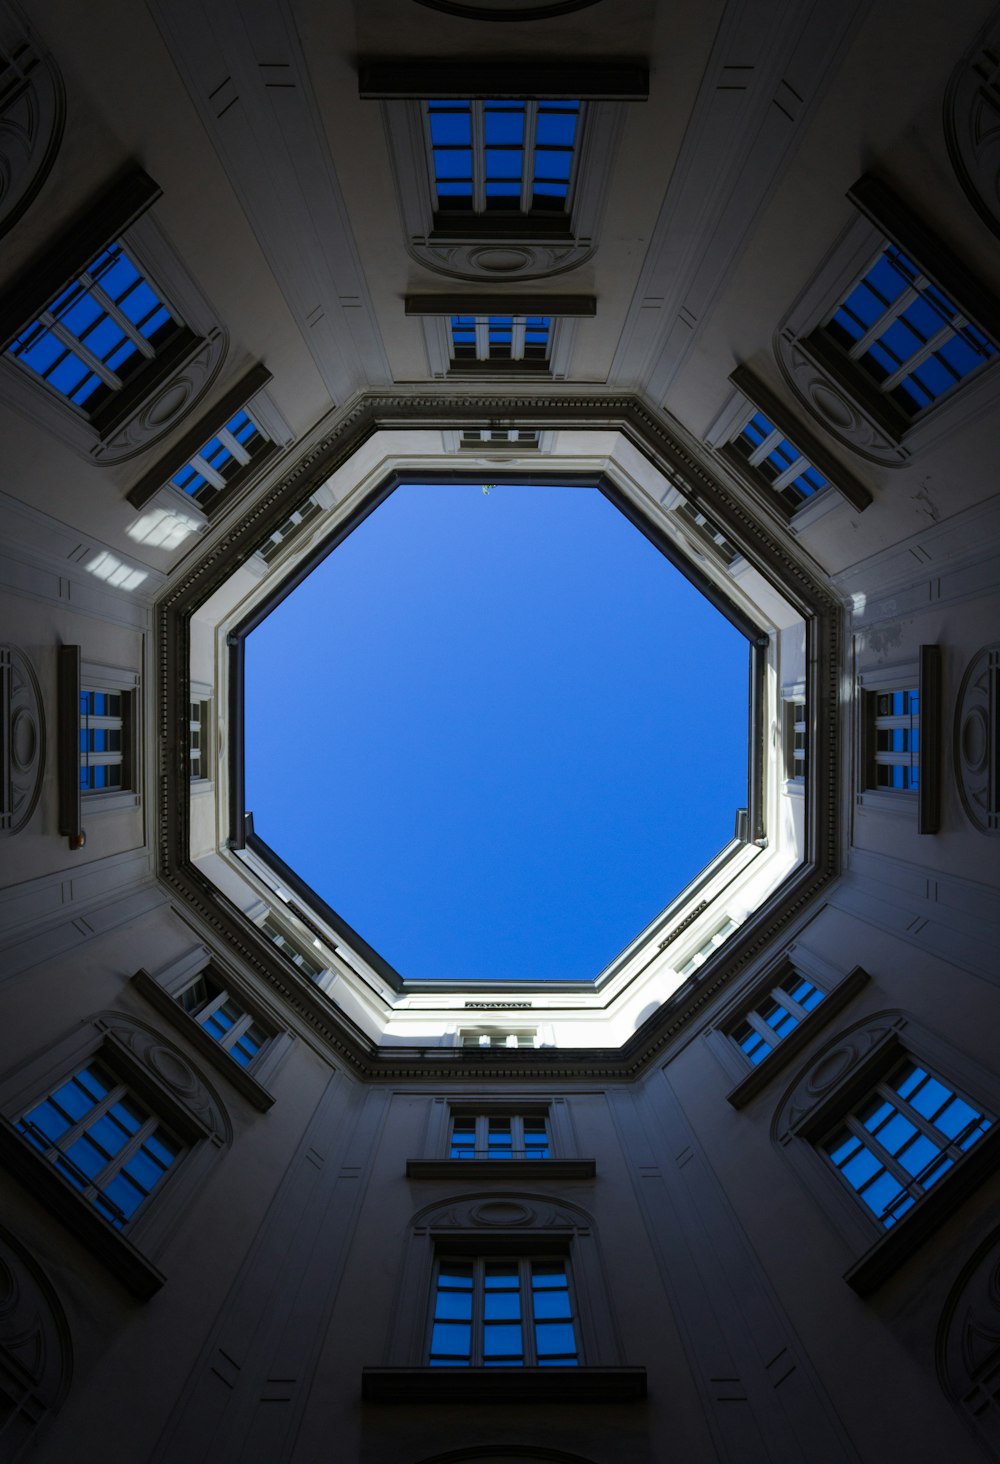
x,y
736,1198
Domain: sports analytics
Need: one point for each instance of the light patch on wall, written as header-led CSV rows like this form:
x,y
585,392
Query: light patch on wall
x,y
161,528
121,576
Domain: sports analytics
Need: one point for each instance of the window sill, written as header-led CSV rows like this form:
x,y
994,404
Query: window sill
x,y
500,1168
206,1046
897,1245
437,1385
834,1002
136,1274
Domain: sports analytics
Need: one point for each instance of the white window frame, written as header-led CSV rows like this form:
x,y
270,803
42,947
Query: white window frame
x,y
125,684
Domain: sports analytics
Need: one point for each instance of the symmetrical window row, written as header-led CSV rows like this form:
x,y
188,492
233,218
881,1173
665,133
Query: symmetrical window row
x,y
106,727
221,1015
476,439
796,738
502,156
782,466
512,1311
500,338
499,1136
290,528
894,752
307,964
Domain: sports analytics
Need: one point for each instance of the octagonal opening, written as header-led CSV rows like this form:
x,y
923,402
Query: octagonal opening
x,y
495,729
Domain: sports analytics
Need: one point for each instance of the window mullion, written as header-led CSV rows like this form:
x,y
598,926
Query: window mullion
x,y
527,1312
210,474
118,1161
762,450
482,337
478,1312
233,447
919,357
482,1134
517,1135
230,1038
518,327
790,474
72,343
528,156
878,328
871,1143
123,323
761,1027
477,124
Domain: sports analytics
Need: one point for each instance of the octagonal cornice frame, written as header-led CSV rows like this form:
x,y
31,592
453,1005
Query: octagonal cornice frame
x,y
769,550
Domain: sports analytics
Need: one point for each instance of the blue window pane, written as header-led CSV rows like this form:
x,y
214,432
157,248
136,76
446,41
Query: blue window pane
x,y
918,1154
502,164
555,1338
502,1340
68,374
555,129
79,316
453,1306
549,1304
457,164
504,128
124,1196
451,1339
886,1197
502,1306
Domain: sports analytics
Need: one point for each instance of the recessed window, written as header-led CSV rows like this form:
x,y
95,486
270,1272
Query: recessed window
x,y
224,1019
213,467
198,738
906,334
503,1312
308,965
707,533
103,1140
491,338
479,439
503,156
96,333
716,939
894,756
783,468
906,1134
774,1017
497,1037
290,529
499,1136
106,740
795,732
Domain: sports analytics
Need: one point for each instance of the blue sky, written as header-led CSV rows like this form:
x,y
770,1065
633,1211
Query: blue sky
x,y
497,733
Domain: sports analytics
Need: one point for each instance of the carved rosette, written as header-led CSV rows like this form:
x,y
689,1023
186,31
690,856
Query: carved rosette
x,y
968,1344
173,1071
977,740
23,720
35,1352
480,261
826,1074
832,408
32,116
972,123
161,411
502,1212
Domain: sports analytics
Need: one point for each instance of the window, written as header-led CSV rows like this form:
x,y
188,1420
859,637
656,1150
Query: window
x,y
106,740
103,1140
757,436
717,938
212,468
905,333
479,439
290,528
494,1037
96,333
890,334
224,1019
900,753
199,725
902,1139
500,338
308,965
772,1019
503,1312
96,329
510,156
499,1136
708,534
796,732
894,745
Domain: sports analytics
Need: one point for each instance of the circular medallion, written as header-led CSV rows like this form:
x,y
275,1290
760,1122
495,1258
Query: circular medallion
x,y
512,10
977,728
24,725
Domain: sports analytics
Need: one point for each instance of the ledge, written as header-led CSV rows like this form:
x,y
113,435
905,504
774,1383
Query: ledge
x,y
438,1385
800,1037
897,1245
500,1168
132,1269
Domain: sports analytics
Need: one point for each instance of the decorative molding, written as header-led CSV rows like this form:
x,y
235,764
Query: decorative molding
x,y
236,543
972,123
832,407
491,10
22,738
463,1385
170,404
543,1169
967,1346
32,115
977,740
36,1350
576,80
